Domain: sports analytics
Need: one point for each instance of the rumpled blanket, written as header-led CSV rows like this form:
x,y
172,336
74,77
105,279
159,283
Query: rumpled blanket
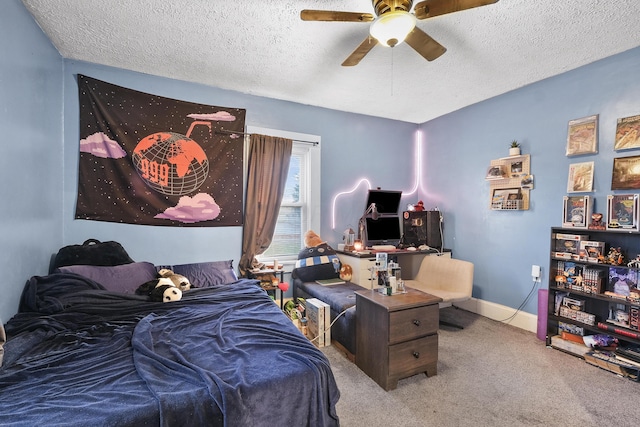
x,y
77,354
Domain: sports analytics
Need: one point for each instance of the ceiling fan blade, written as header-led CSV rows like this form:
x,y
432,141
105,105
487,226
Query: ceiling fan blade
x,y
430,8
422,43
360,52
332,15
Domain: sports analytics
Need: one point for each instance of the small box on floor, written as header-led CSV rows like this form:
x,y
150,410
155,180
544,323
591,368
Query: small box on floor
x,y
318,318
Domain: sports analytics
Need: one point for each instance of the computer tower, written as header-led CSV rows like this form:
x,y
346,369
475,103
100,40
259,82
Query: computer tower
x,y
421,228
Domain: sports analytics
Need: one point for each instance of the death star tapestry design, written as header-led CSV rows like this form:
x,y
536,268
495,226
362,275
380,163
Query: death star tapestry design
x,y
146,159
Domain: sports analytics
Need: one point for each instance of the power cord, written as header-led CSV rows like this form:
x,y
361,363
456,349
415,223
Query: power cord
x,y
510,318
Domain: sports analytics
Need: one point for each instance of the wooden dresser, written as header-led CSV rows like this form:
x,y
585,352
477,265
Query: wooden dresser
x,y
396,336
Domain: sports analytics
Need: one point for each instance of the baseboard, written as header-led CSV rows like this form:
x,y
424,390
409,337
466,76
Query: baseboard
x,y
522,320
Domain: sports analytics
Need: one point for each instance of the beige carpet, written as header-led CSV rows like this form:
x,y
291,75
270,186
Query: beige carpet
x,y
489,374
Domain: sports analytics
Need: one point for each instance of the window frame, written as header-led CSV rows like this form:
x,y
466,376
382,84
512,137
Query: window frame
x,y
308,146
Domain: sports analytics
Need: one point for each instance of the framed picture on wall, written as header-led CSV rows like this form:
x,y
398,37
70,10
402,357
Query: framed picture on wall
x,y
626,173
515,167
580,177
582,136
576,211
627,133
622,212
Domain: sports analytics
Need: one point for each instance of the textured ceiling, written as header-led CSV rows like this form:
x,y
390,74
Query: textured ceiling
x,y
264,48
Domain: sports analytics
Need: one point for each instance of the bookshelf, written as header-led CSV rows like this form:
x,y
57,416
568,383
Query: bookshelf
x,y
589,296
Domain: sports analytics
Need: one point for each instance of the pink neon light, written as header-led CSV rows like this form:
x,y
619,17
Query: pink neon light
x,y
417,186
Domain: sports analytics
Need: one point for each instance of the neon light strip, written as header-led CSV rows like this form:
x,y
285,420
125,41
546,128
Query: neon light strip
x,y
342,193
417,186
418,165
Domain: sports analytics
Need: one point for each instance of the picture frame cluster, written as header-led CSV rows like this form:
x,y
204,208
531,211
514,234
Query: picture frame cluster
x,y
622,210
582,139
622,213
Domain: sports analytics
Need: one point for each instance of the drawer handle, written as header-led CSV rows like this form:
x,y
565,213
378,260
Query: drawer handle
x,y
416,354
416,322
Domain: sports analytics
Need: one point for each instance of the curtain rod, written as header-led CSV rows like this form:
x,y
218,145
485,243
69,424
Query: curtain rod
x,y
245,133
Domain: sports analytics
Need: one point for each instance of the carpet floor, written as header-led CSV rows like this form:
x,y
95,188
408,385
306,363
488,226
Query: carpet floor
x,y
489,374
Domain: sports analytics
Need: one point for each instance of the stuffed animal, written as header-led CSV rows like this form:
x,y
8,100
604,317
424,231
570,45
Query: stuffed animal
x,y
161,289
311,239
178,279
317,261
346,272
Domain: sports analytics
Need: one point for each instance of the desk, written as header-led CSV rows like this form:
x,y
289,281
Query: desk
x,y
361,263
267,283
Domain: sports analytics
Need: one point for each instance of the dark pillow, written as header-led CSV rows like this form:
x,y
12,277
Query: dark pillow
x,y
317,263
120,278
205,274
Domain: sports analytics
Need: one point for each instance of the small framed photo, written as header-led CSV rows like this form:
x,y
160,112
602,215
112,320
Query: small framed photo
x,y
627,133
526,183
626,173
580,177
622,212
515,167
582,137
576,211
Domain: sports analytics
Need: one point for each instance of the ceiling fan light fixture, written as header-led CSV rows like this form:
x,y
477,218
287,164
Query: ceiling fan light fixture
x,y
391,28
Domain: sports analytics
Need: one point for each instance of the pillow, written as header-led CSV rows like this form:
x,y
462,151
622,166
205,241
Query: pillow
x,y
317,263
120,278
205,274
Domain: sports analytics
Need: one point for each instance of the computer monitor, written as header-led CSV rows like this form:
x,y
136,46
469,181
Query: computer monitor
x,y
387,201
383,231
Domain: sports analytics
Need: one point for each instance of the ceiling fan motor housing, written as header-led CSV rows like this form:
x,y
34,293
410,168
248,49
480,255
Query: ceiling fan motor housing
x,y
383,6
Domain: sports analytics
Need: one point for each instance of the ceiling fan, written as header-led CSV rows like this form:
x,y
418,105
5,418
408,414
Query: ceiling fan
x,y
394,23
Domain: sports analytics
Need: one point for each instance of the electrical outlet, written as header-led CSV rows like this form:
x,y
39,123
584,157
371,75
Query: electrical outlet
x,y
535,272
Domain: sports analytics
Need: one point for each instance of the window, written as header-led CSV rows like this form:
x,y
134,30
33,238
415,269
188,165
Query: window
x,y
300,207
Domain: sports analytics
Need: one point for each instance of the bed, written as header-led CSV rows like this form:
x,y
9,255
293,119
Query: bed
x,y
79,352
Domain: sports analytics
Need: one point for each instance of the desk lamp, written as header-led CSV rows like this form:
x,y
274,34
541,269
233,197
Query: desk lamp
x,y
371,209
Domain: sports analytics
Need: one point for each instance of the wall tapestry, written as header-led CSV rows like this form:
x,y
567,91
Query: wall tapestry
x,y
146,159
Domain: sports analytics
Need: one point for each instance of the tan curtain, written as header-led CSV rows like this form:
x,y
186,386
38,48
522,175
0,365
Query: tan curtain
x,y
269,158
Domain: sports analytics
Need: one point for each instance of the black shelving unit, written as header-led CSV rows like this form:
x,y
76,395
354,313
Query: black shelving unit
x,y
594,307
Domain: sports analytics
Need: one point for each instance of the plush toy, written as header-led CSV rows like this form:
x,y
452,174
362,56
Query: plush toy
x,y
419,207
317,261
178,279
346,272
160,289
311,239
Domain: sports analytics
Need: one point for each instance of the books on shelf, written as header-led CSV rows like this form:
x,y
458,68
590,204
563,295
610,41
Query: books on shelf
x,y
576,277
619,330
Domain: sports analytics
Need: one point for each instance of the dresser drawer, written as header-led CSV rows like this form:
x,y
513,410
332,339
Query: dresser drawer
x,y
411,357
413,323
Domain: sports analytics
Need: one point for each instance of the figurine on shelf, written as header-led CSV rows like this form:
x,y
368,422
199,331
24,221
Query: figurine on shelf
x,y
596,222
614,257
419,207
635,263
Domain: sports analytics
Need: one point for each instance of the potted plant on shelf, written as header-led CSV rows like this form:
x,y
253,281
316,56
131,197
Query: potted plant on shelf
x,y
514,148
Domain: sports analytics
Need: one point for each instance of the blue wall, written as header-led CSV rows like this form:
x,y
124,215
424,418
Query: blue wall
x,y
459,147
31,160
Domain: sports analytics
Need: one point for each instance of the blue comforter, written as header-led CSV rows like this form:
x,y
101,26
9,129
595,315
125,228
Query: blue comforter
x,y
80,355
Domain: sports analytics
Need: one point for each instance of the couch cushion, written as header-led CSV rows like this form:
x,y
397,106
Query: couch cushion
x,y
339,297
